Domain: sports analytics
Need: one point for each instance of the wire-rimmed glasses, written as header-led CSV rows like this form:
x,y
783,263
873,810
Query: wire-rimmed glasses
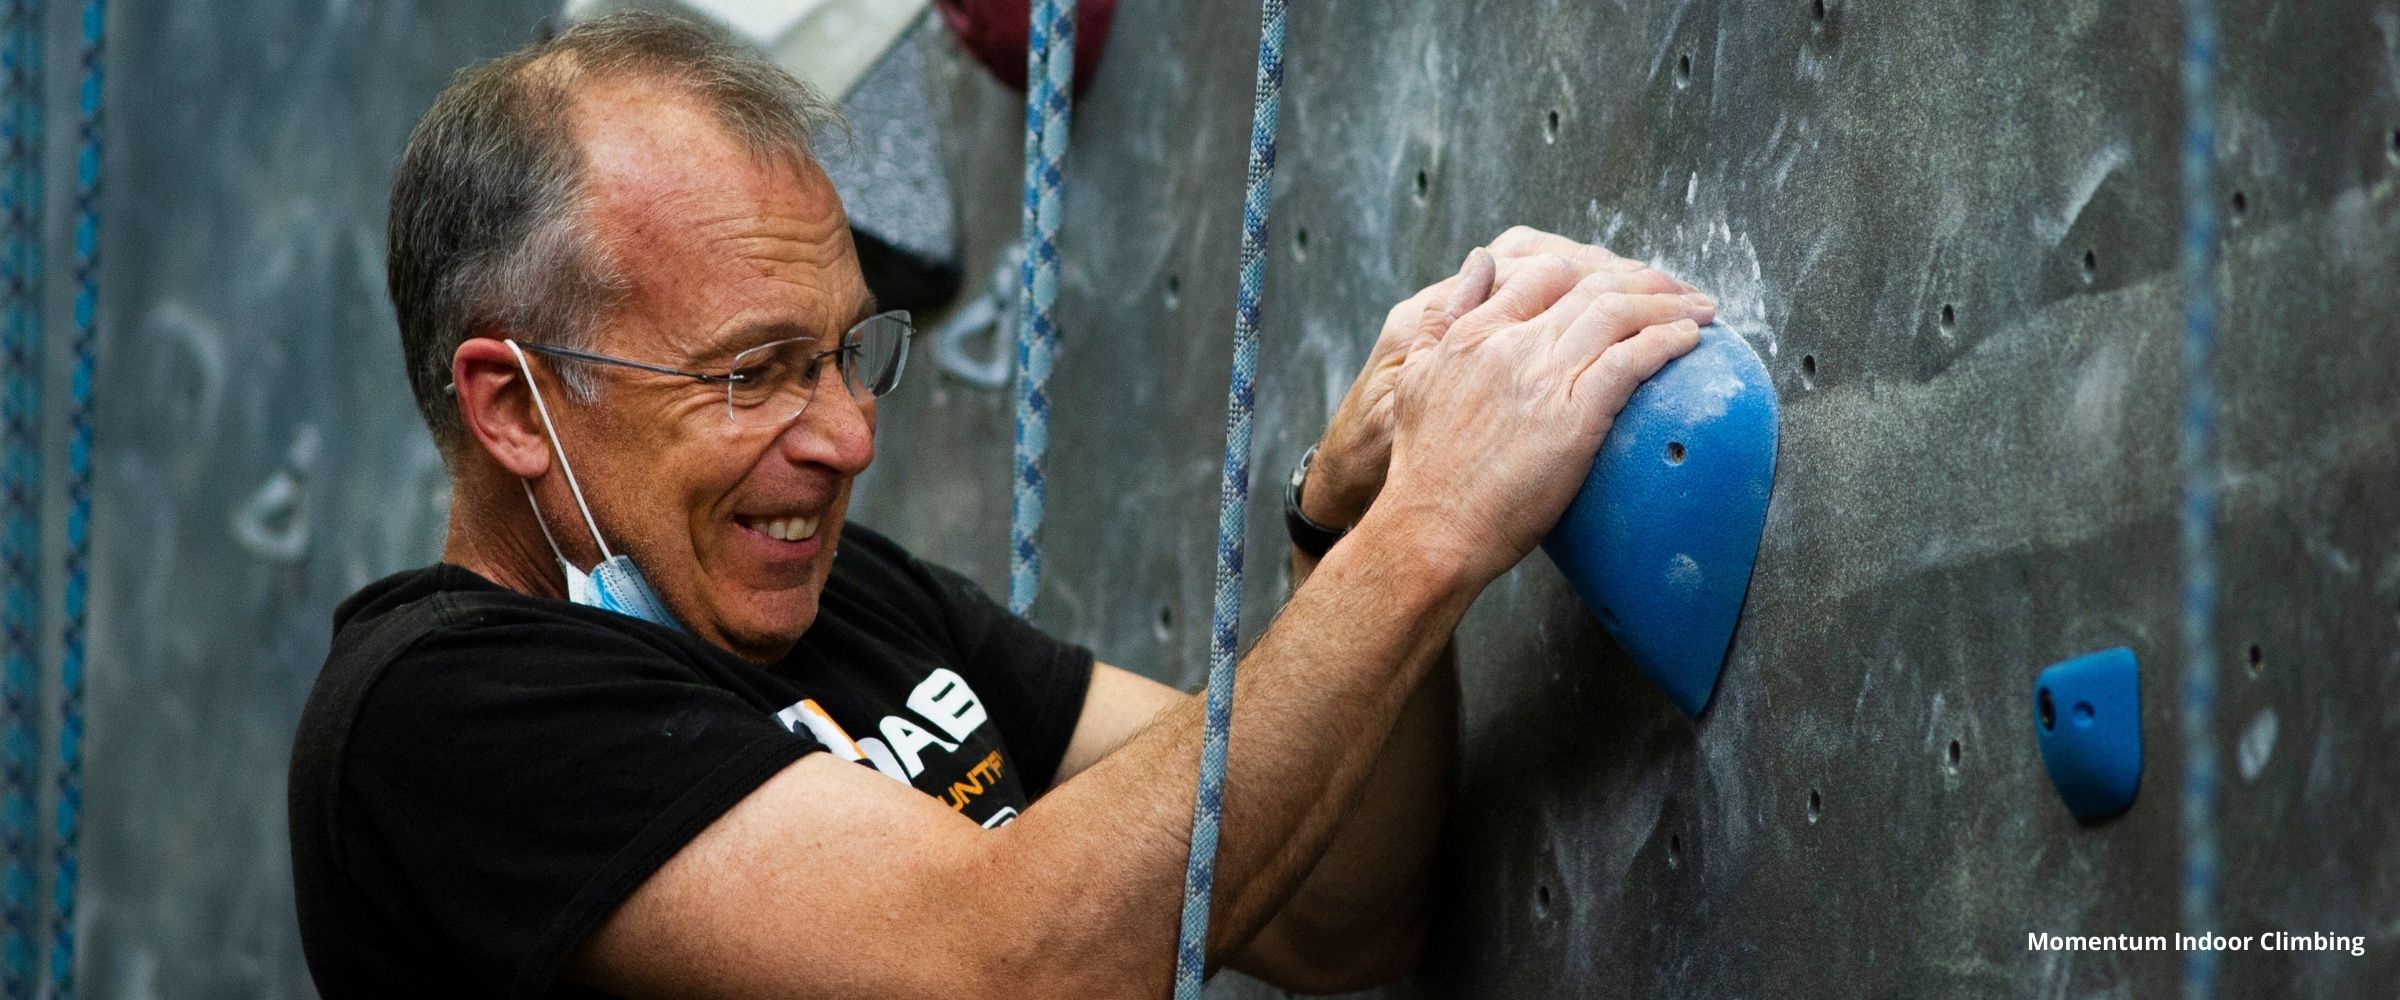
x,y
770,384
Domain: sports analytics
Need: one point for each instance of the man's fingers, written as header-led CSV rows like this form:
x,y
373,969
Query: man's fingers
x,y
1614,316
1526,241
1469,289
1607,381
1475,282
1651,281
1521,242
1645,282
1587,259
1534,288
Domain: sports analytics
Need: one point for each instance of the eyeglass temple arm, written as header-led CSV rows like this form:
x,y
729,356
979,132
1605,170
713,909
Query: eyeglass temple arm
x,y
602,359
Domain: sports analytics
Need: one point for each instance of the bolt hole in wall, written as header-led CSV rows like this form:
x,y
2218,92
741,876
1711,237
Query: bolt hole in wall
x,y
1675,850
1808,371
1954,754
1424,185
2241,206
2393,149
1816,805
1949,318
1541,901
1174,292
1550,126
1300,243
2091,266
1683,71
2258,663
1816,12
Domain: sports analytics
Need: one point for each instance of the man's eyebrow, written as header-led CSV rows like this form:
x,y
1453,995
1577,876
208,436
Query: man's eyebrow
x,y
749,335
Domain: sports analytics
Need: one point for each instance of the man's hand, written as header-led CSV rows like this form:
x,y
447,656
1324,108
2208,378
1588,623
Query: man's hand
x,y
1356,450
1487,409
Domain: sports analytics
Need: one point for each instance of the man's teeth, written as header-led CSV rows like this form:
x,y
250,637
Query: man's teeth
x,y
787,529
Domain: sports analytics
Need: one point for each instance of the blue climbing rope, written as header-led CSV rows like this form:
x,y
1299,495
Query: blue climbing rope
x,y
1233,500
1049,86
68,826
2199,548
21,486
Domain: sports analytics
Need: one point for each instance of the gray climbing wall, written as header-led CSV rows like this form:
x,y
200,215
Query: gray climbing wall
x,y
258,457
1950,228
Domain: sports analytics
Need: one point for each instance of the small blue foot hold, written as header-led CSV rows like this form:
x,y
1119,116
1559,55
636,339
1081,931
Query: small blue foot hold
x,y
1661,539
2088,714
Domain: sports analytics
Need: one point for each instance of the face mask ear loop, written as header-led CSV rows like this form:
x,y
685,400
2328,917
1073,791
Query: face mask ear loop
x,y
542,524
563,464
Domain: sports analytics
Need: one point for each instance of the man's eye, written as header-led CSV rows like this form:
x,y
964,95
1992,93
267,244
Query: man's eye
x,y
762,370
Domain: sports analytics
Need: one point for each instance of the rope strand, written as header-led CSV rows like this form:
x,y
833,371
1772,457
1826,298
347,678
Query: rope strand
x,y
1233,500
1049,86
2199,453
69,816
21,485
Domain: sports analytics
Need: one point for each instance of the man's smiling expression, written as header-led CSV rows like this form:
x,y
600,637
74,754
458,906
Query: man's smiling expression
x,y
720,249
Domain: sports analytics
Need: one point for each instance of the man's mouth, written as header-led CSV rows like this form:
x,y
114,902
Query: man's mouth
x,y
783,529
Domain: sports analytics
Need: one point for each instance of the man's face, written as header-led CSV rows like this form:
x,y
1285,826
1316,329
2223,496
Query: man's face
x,y
722,251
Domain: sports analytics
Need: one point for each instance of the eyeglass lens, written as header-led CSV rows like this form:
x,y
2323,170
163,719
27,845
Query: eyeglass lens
x,y
773,382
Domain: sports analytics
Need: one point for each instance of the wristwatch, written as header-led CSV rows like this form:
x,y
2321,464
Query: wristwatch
x,y
1307,535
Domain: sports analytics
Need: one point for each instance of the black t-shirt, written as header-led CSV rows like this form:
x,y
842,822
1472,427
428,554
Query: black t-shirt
x,y
480,776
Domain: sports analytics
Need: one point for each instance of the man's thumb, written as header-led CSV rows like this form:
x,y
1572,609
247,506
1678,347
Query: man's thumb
x,y
1474,286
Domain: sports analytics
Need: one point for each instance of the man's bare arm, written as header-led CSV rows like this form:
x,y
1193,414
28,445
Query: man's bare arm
x,y
831,881
1359,917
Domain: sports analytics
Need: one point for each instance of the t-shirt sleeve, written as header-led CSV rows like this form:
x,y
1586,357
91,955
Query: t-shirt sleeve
x,y
1036,682
520,792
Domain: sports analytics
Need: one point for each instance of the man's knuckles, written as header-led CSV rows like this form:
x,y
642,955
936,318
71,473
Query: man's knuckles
x,y
1520,241
1539,282
1650,280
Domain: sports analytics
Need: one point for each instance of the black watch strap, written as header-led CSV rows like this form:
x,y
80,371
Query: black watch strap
x,y
1307,536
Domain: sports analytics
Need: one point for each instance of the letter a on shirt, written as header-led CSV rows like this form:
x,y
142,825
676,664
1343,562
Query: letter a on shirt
x,y
909,740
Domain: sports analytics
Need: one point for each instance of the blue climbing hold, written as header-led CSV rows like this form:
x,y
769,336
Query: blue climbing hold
x,y
1661,539
2087,713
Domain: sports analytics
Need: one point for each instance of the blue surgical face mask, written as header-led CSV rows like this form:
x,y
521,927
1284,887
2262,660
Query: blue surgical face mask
x,y
615,583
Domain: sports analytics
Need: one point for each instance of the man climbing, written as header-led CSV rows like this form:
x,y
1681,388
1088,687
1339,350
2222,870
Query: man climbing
x,y
661,723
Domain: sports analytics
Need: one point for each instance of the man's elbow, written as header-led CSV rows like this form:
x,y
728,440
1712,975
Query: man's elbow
x,y
1392,957
1320,959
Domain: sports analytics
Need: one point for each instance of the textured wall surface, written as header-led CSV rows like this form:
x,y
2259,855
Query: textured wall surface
x,y
1948,228
258,456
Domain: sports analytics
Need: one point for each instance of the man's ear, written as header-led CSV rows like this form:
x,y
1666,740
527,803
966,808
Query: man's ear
x,y
498,411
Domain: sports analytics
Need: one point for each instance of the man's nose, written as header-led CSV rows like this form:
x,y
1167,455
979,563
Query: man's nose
x,y
836,430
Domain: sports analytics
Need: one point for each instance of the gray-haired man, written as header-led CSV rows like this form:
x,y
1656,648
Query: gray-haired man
x,y
661,725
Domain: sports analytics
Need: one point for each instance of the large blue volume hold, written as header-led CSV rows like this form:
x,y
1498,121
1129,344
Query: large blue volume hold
x,y
1661,539
2088,714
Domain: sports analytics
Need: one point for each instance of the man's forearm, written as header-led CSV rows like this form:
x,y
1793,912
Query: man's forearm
x,y
1360,916
1316,702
